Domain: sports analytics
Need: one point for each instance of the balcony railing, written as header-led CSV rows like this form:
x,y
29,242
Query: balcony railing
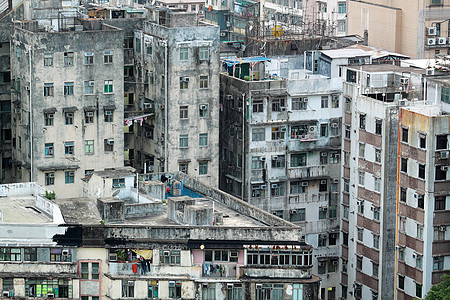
x,y
309,172
219,270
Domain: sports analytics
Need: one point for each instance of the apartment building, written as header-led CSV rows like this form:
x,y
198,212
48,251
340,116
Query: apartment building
x,y
331,15
419,29
67,117
280,150
135,245
176,62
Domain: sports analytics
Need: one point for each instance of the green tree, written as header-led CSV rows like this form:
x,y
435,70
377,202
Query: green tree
x,y
440,291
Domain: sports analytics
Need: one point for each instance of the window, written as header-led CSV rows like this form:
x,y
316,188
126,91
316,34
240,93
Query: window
x,y
277,189
108,145
48,59
109,115
203,82
419,231
30,254
418,290
323,130
334,157
208,291
321,268
184,83
184,53
438,263
203,168
49,150
323,186
278,133
203,110
48,89
362,150
258,134
419,261
323,158
297,215
377,184
401,282
278,161
175,289
298,187
108,87
88,117
258,190
362,121
298,160
441,142
203,139
402,223
257,162
84,270
346,185
10,254
128,288
203,53
421,171
88,58
376,213
422,141
378,155
153,289
374,269
342,8
118,182
439,203
171,257
359,261
89,87
334,101
50,178
323,211
404,165
324,102
258,106
183,167
48,119
68,118
69,177
332,212
401,253
421,201
378,126
278,104
234,292
360,207
440,173
403,194
69,148
334,131
404,135
361,175
89,146
108,57
341,25
68,59
322,240
184,112
347,131
184,141
299,103
345,211
360,234
376,241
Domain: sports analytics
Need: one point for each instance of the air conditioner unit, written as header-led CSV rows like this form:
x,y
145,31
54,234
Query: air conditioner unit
x,y
112,257
372,208
321,264
444,154
293,211
70,174
323,182
161,139
89,113
432,30
414,256
335,180
258,285
430,72
5,294
305,183
50,116
263,187
110,142
282,108
442,41
274,186
223,34
274,157
431,41
91,83
166,253
334,125
335,262
148,134
148,105
402,102
229,97
50,151
228,24
69,115
442,228
161,106
27,87
203,107
324,154
444,168
229,285
51,175
404,80
50,295
312,128
186,79
262,158
108,112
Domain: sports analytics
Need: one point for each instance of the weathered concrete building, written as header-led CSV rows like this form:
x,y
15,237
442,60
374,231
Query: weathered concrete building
x,y
280,149
68,113
177,71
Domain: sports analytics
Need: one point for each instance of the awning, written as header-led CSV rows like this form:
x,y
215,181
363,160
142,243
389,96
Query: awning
x,y
70,109
204,159
146,254
184,161
58,167
50,110
138,117
109,107
245,60
90,108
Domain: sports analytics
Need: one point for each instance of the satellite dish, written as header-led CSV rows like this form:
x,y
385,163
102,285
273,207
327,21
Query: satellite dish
x,y
116,192
277,31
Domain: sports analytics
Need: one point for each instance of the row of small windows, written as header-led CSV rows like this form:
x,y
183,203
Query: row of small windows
x,y
108,116
202,140
203,82
69,147
68,90
202,111
31,254
203,53
296,187
88,58
297,160
297,103
300,131
202,167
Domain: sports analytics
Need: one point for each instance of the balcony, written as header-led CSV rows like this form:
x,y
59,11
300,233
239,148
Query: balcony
x,y
276,272
39,268
126,268
128,56
222,270
310,172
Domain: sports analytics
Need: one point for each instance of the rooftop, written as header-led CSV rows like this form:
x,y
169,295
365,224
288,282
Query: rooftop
x,y
116,172
21,210
386,68
359,51
426,110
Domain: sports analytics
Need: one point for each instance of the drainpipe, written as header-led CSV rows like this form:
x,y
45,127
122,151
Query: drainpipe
x,y
166,164
244,102
30,119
